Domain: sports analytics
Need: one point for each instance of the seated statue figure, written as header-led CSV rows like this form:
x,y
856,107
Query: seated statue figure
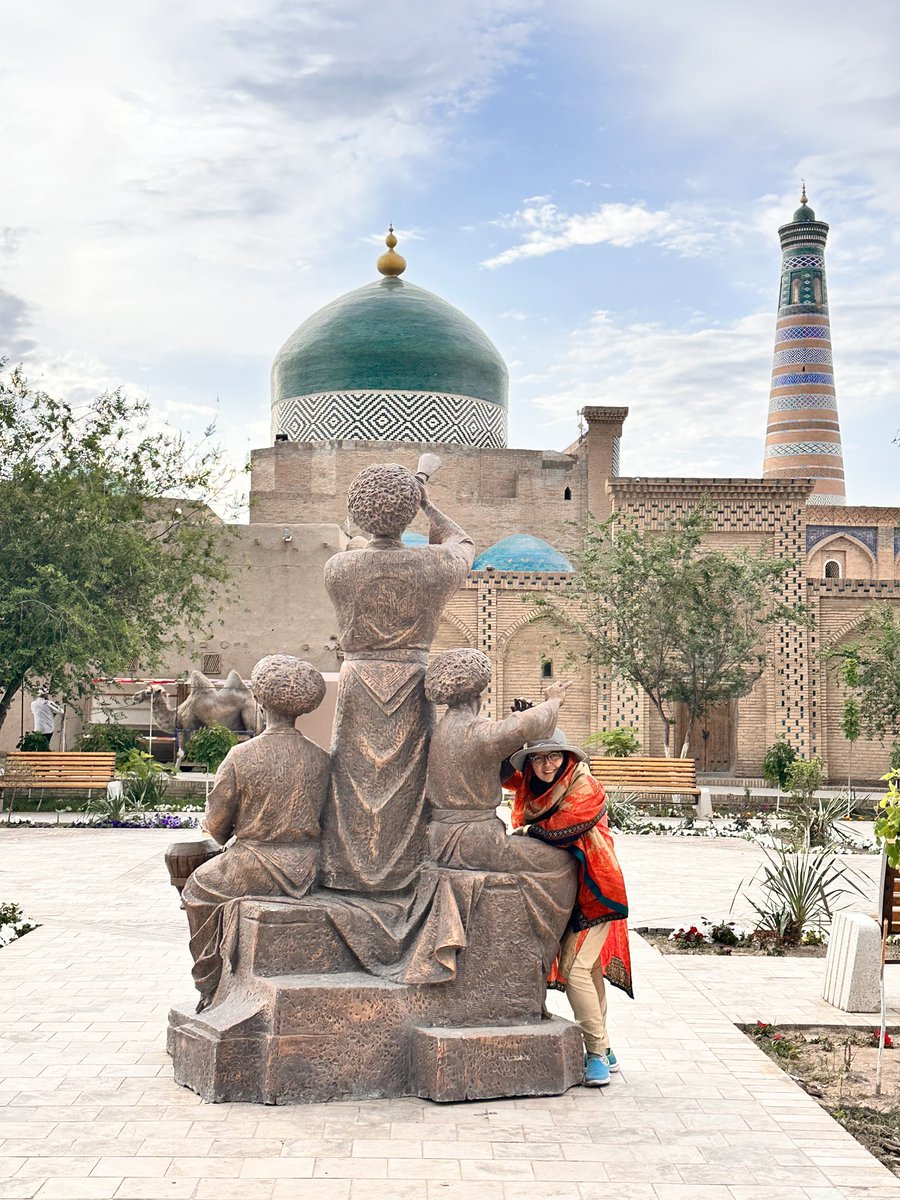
x,y
463,789
268,796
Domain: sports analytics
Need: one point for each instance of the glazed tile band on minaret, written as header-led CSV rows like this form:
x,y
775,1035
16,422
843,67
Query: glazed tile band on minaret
x,y
803,435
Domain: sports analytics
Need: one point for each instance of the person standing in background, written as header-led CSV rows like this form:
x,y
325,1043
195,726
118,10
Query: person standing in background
x,y
44,713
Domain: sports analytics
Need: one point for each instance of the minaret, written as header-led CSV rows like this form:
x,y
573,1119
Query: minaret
x,y
803,435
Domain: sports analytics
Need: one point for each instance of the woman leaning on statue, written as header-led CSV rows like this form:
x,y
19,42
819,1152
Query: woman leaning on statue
x,y
558,801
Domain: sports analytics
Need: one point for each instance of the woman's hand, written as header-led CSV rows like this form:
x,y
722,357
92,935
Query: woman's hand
x,y
522,830
557,691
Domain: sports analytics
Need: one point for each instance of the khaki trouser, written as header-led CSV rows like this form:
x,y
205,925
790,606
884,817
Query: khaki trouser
x,y
585,989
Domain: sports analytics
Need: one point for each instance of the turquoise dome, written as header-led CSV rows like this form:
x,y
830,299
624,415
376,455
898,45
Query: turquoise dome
x,y
390,336
522,552
804,213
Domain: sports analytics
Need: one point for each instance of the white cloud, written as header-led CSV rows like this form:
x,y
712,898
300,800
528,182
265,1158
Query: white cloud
x,y
170,165
547,229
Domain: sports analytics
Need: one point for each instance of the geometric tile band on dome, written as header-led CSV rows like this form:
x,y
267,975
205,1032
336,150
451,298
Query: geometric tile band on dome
x,y
802,400
391,417
786,449
802,354
789,333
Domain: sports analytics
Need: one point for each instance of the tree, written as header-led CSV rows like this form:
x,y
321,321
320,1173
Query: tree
x,y
110,551
870,667
673,619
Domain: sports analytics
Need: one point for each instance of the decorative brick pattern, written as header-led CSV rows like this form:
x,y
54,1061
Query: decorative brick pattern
x,y
802,354
803,293
789,449
802,400
790,333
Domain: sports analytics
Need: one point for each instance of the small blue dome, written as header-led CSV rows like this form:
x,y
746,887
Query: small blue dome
x,y
522,552
409,538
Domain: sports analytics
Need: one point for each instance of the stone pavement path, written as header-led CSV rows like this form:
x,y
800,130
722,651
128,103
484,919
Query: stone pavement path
x,y
88,1107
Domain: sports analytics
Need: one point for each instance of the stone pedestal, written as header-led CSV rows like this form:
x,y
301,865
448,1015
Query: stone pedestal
x,y
853,963
300,1021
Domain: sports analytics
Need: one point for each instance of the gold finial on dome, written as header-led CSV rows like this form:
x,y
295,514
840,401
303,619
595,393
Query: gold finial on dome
x,y
391,263
803,199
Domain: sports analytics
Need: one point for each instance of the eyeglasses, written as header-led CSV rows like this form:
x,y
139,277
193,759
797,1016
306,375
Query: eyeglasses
x,y
550,760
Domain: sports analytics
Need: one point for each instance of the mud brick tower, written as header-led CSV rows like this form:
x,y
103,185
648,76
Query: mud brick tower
x,y
803,436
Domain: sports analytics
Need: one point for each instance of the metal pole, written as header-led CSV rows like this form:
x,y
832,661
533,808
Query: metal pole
x,y
882,1030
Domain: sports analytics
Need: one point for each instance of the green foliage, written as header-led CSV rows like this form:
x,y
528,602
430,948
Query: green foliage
x,y
812,820
12,923
723,934
110,550
109,738
799,890
887,821
209,746
772,1041
145,780
851,719
777,763
671,618
870,668
622,812
805,777
33,742
615,743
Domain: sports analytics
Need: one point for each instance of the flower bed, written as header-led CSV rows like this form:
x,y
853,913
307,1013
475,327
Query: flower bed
x,y
837,1067
13,924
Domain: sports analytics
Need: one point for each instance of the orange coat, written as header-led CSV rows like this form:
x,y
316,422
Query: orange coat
x,y
571,814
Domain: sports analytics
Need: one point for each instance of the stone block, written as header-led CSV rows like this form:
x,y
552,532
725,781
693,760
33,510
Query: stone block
x,y
483,1063
703,809
291,939
853,963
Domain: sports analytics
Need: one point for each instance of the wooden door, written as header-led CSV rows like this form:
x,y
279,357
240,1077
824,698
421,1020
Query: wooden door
x,y
712,741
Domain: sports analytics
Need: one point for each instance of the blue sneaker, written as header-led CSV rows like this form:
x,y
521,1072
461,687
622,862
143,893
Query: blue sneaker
x,y
596,1071
611,1061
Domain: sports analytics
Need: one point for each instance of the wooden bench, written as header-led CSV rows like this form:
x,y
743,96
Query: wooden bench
x,y
651,777
889,913
60,771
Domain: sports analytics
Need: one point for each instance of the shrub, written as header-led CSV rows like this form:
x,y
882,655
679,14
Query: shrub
x,y
616,743
145,781
887,821
799,890
723,934
622,812
109,738
209,745
777,763
32,742
12,923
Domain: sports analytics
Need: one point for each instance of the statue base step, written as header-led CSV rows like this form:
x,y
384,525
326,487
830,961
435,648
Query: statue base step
x,y
328,1030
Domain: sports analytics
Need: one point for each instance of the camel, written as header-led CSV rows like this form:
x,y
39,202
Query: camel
x,y
232,705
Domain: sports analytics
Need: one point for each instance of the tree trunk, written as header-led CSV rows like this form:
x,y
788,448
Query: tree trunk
x,y
7,695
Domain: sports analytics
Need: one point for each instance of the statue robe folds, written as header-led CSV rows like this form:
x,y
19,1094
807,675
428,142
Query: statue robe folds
x,y
389,600
465,831
268,796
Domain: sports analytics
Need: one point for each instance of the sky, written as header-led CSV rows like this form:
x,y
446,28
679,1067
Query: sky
x,y
597,184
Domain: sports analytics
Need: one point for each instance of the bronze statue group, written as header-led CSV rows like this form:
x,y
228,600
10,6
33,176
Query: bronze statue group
x,y
400,794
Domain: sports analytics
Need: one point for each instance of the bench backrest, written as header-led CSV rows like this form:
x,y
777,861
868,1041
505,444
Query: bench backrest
x,y
890,897
666,772
71,766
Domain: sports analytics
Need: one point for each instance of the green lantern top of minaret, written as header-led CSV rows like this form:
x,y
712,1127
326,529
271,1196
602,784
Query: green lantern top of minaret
x,y
804,212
